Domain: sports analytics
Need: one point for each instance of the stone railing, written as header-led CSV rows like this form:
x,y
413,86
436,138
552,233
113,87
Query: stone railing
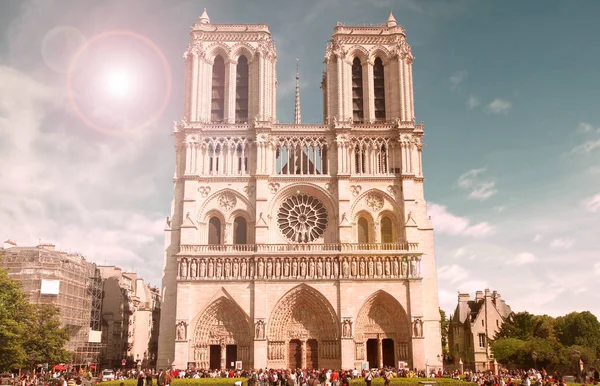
x,y
301,267
332,247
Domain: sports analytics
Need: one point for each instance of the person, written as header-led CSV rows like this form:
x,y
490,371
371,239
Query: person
x,y
387,377
149,378
141,378
369,378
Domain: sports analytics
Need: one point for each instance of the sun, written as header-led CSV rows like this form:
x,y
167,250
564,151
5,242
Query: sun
x,y
119,82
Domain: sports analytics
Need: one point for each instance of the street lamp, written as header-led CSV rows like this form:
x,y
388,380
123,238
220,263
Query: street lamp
x,y
576,356
534,356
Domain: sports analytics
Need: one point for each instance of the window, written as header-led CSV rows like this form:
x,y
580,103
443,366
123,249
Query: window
x,y
214,231
386,230
218,90
482,323
482,340
241,91
363,230
239,231
379,86
357,91
497,323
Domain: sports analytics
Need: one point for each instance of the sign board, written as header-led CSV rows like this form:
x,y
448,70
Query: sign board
x,y
238,365
123,362
50,287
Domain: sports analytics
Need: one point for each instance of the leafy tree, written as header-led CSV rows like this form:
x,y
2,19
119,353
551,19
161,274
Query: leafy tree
x,y
509,351
14,313
444,327
578,328
46,339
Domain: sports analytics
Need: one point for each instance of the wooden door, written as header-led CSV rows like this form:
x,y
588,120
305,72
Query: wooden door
x,y
312,354
294,354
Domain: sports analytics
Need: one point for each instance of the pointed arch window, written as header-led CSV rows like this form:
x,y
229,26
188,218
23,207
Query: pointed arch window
x,y
386,230
241,91
379,88
358,114
218,90
214,231
240,231
363,231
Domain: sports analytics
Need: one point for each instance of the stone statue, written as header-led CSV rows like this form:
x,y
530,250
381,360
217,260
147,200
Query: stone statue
x,y
183,268
235,272
181,331
277,268
379,268
347,329
395,268
303,268
387,269
219,269
260,329
286,268
371,270
311,268
345,268
336,268
294,268
353,268
404,267
243,268
193,269
418,328
269,268
362,268
251,269
320,268
413,267
227,268
202,268
327,268
261,269
211,270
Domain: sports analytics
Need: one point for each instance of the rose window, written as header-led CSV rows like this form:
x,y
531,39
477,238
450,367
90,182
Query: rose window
x,y
302,218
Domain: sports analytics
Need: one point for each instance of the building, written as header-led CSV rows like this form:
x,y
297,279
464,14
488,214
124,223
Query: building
x,y
471,327
298,245
130,319
67,280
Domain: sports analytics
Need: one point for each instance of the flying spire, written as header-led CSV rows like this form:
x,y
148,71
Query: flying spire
x,y
391,21
204,19
297,116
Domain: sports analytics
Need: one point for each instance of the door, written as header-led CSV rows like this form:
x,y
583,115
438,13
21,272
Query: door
x,y
312,354
294,354
215,356
388,352
230,356
372,353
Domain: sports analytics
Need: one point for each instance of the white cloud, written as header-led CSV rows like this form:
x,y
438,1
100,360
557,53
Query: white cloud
x,y
457,78
479,189
472,102
537,238
592,204
586,147
499,208
446,223
563,243
452,273
585,127
523,258
498,106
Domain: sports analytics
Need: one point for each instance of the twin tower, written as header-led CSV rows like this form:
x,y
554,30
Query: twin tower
x,y
298,245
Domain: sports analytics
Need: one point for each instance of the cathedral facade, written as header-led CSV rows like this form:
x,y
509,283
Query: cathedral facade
x,y
298,245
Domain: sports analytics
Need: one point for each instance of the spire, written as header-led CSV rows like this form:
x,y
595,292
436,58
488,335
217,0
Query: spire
x,y
204,19
391,21
297,116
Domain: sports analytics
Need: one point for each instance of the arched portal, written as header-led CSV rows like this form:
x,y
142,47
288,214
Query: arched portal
x,y
222,335
303,331
382,331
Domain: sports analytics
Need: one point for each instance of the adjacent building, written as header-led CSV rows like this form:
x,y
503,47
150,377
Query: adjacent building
x,y
70,282
473,324
130,319
298,245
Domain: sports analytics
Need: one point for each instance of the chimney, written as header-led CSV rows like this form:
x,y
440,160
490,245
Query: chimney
x,y
9,244
478,295
463,298
487,293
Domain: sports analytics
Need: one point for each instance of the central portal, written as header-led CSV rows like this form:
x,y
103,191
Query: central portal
x,y
372,353
230,356
215,356
295,354
312,354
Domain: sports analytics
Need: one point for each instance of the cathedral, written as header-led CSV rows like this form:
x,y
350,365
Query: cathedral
x,y
295,245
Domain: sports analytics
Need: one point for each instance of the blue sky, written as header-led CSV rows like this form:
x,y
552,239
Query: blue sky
x,y
508,91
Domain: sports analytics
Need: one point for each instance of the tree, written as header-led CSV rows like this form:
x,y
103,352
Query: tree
x,y
578,328
46,339
444,327
509,351
14,313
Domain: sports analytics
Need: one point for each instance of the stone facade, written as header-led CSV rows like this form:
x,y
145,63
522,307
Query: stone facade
x,y
298,245
472,325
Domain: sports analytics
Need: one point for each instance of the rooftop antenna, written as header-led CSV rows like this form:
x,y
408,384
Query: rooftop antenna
x,y
297,116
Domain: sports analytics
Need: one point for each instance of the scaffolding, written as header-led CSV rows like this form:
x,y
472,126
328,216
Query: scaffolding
x,y
67,281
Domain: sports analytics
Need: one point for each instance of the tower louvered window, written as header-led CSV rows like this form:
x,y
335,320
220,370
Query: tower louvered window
x,y
241,91
378,83
218,90
357,91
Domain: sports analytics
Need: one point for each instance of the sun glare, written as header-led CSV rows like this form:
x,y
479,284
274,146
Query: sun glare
x,y
119,83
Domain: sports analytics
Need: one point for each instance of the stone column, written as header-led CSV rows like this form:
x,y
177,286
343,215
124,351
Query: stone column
x,y
223,357
380,352
303,360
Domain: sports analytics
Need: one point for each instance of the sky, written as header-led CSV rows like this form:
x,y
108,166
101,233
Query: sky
x,y
509,92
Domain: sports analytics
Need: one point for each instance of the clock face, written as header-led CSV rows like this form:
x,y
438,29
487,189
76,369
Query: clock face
x,y
302,218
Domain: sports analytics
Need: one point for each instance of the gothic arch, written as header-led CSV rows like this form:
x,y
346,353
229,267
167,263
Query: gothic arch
x,y
358,52
388,202
381,52
242,49
396,223
370,226
221,323
330,234
216,49
211,204
303,313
